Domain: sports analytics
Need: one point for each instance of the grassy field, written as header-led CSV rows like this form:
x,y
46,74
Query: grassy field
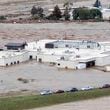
x,y
34,101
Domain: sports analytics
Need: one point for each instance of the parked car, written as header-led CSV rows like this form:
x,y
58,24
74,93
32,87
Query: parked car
x,y
59,91
87,88
105,86
71,90
46,92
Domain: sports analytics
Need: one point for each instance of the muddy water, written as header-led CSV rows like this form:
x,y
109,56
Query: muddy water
x,y
99,31
42,76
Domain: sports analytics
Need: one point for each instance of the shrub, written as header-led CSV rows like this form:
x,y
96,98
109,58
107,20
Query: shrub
x,y
33,10
85,14
20,79
23,80
37,13
66,14
95,13
56,14
2,18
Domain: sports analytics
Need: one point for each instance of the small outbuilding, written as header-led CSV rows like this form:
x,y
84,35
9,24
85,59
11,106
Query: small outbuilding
x,y
15,46
106,14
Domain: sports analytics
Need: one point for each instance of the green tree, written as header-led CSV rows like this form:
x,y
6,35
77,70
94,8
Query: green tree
x,y
68,5
66,14
95,13
57,14
33,10
97,4
75,14
37,13
85,14
3,17
81,13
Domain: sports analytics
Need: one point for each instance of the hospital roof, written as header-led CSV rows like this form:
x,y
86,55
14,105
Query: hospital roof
x,y
15,44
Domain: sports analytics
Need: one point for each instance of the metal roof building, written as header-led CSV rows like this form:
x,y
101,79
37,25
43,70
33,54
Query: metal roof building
x,y
72,44
15,46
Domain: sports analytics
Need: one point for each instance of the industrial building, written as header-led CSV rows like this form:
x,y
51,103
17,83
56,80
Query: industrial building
x,y
8,58
72,44
15,46
69,54
72,54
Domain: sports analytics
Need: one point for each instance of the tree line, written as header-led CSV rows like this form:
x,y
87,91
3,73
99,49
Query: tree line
x,y
82,13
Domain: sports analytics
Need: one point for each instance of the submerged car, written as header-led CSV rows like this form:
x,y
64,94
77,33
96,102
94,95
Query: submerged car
x,y
105,86
87,88
46,92
71,90
59,91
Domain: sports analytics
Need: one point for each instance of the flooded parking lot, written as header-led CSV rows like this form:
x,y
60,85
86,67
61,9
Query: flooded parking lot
x,y
42,76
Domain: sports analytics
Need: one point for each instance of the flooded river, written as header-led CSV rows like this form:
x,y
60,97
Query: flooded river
x,y
43,76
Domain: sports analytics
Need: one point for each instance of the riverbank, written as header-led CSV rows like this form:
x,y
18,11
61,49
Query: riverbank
x,y
102,103
33,101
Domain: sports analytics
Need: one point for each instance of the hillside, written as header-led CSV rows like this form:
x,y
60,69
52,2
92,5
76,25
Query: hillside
x,y
15,9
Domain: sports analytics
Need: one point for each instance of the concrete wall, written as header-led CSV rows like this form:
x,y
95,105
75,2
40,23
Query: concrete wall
x,y
48,58
2,63
33,54
83,44
106,16
67,64
11,60
102,61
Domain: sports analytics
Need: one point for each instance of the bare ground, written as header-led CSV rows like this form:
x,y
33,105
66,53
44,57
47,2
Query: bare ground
x,y
15,9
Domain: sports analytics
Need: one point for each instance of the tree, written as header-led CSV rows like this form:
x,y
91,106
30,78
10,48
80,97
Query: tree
x,y
68,5
33,10
81,13
56,13
66,14
37,13
3,17
85,14
95,13
75,14
97,4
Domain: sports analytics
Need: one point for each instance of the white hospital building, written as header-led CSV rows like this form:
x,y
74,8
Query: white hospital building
x,y
69,54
